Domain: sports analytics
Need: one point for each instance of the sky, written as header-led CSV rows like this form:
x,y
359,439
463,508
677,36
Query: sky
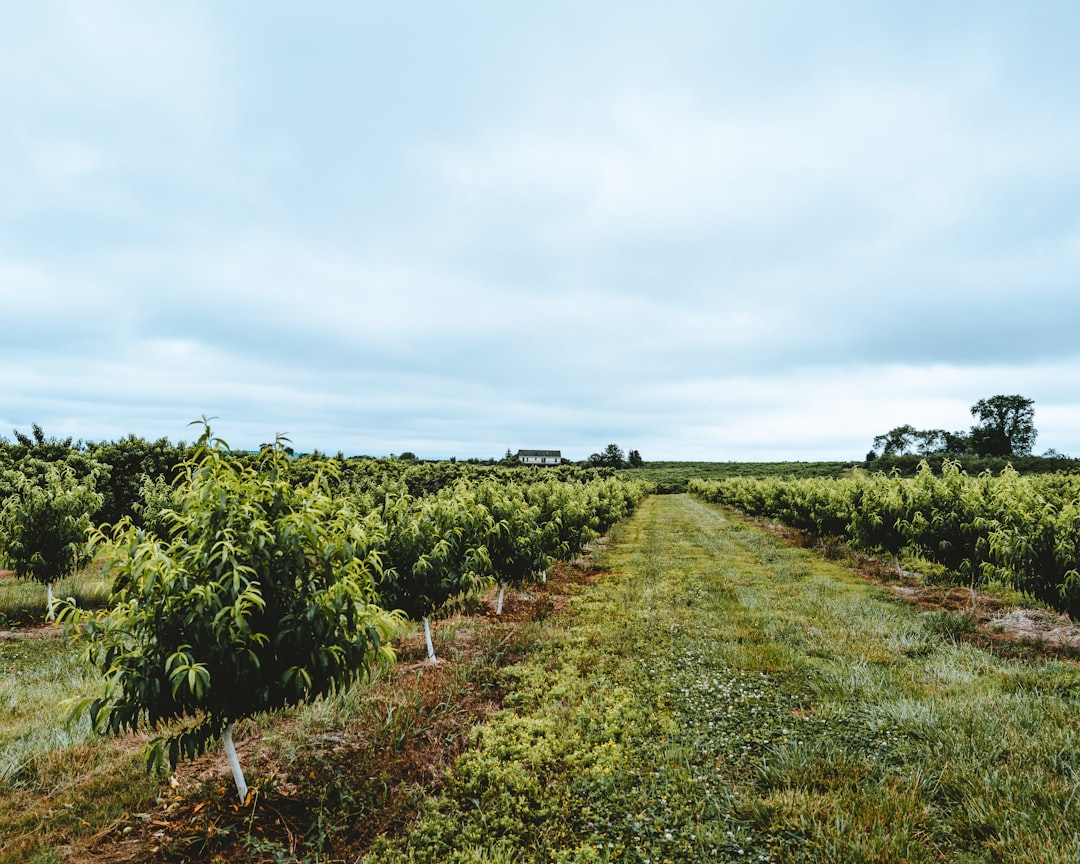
x,y
702,230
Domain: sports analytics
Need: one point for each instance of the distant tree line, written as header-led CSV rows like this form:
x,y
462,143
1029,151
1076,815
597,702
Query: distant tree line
x,y
133,475
612,456
1005,427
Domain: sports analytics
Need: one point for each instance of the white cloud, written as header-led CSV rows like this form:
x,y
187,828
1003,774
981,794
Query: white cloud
x,y
664,163
753,238
836,188
101,55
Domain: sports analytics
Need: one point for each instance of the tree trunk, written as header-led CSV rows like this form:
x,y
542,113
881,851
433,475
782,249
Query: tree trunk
x,y
498,606
51,614
234,763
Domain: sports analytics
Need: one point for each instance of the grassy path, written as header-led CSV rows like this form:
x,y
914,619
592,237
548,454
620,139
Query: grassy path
x,y
718,696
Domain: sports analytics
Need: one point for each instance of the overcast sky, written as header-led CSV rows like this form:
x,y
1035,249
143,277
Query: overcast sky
x,y
703,230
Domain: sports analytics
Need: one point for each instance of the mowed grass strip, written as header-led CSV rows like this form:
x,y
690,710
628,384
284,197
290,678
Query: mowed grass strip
x,y
719,695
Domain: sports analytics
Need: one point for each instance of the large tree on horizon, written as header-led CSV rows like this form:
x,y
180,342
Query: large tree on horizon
x,y
610,457
1006,426
896,442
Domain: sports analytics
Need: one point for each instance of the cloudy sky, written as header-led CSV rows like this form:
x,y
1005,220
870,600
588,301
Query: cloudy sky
x,y
704,230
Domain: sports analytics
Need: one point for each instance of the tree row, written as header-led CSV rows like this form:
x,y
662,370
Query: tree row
x,y
239,589
1021,531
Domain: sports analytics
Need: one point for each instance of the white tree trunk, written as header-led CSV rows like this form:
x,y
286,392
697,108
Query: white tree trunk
x,y
234,763
498,606
51,615
430,648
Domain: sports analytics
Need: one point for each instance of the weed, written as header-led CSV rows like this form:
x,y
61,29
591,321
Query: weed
x,y
951,625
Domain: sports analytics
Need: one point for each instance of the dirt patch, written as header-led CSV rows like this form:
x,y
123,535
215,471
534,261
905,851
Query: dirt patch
x,y
41,631
1039,626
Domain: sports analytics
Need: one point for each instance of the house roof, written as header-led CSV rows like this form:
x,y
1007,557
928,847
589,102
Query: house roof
x,y
539,453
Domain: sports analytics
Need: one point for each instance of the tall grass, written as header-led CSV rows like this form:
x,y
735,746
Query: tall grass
x,y
55,777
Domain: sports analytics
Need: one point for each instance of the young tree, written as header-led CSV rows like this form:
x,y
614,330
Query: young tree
x,y
434,554
43,448
563,516
262,597
30,455
158,501
515,538
129,462
45,522
1006,426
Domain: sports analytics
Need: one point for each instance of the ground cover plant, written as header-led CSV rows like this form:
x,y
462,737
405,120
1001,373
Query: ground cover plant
x,y
57,780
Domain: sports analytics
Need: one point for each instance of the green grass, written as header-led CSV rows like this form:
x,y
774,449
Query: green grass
x,y
723,697
672,477
56,778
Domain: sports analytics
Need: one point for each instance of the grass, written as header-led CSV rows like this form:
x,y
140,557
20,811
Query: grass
x,y
672,477
55,778
717,695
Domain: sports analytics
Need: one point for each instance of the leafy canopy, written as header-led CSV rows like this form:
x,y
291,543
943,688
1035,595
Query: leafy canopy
x,y
434,551
1006,426
45,519
610,457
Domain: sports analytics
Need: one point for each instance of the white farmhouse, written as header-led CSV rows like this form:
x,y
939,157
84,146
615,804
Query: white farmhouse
x,y
540,457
